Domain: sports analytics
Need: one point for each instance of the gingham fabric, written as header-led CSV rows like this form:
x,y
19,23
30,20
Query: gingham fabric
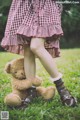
x,y
33,18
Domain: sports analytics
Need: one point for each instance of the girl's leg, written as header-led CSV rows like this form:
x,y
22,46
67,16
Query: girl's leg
x,y
29,63
37,47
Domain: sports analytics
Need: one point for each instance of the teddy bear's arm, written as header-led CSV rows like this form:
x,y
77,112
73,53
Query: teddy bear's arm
x,y
22,84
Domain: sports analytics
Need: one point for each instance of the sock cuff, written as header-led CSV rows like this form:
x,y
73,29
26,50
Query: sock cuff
x,y
57,78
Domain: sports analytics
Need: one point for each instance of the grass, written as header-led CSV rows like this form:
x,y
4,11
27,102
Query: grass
x,y
69,65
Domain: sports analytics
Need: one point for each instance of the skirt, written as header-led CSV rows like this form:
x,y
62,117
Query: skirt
x,y
33,18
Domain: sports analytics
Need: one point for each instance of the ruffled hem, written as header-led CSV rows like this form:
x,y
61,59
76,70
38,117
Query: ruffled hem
x,y
15,44
20,50
40,31
11,40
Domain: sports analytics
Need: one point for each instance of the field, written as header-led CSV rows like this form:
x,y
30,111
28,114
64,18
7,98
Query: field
x,y
69,65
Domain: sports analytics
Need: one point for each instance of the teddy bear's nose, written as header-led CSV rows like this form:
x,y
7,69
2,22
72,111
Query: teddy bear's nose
x,y
22,73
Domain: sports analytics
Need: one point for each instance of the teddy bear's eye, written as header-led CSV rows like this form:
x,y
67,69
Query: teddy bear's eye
x,y
15,72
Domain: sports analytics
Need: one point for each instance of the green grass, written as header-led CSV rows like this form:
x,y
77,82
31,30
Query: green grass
x,y
69,65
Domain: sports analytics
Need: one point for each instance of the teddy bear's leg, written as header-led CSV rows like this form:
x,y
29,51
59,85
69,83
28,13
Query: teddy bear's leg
x,y
12,100
46,93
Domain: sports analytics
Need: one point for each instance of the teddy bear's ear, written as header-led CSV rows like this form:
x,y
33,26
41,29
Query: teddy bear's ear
x,y
7,67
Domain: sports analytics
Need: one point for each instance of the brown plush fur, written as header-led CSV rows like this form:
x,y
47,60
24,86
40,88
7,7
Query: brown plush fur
x,y
20,84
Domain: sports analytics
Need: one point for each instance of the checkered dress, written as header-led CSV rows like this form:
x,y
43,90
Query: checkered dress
x,y
33,18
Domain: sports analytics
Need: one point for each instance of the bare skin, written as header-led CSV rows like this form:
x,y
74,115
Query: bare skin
x,y
37,48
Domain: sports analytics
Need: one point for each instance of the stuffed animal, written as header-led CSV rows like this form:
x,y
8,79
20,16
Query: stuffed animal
x,y
22,87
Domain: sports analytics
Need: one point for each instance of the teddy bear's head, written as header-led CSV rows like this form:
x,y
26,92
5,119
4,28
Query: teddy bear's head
x,y
16,68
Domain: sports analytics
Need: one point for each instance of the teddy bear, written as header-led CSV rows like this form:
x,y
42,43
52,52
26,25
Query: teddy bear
x,y
22,88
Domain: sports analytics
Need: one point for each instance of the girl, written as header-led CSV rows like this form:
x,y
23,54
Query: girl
x,y
34,29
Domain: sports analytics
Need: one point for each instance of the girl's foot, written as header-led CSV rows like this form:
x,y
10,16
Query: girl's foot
x,y
32,93
67,99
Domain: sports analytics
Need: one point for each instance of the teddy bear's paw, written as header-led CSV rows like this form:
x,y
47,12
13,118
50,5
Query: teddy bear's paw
x,y
36,81
40,90
12,100
49,92
46,93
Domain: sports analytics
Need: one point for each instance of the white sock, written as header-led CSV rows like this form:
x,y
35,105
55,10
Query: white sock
x,y
57,78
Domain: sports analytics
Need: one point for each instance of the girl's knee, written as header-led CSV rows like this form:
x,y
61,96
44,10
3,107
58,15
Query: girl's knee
x,y
33,48
36,44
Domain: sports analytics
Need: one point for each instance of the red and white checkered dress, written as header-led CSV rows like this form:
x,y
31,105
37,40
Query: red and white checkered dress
x,y
33,18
